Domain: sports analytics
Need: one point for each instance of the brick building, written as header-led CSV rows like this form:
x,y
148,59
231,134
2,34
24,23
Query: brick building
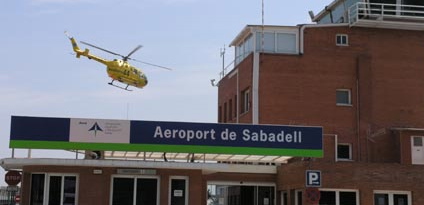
x,y
358,73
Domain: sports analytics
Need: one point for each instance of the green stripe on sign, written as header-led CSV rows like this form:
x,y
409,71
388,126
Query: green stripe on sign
x,y
164,148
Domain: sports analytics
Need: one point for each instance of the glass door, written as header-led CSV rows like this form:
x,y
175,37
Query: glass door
x,y
228,194
53,189
179,195
134,191
417,149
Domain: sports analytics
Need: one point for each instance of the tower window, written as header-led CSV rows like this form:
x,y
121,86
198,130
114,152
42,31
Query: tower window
x,y
343,97
344,152
245,103
342,40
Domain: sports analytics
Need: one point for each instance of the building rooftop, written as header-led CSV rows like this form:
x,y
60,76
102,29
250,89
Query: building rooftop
x,y
391,14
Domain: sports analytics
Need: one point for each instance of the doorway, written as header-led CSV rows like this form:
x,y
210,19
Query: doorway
x,y
127,190
417,149
240,194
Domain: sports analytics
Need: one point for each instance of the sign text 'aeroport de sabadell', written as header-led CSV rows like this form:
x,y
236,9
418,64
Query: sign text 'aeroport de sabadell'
x,y
156,136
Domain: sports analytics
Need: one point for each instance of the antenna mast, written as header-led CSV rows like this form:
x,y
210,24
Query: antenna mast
x,y
263,27
223,60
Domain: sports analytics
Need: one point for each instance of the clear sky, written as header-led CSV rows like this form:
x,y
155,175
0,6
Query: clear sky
x,y
40,76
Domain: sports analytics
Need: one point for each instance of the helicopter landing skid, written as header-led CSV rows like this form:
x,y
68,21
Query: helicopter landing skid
x,y
126,88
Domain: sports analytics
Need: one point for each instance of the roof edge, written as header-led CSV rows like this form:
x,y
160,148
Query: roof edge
x,y
250,27
325,10
19,163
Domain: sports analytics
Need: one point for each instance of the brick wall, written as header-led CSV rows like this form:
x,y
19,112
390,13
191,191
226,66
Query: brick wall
x,y
96,189
382,68
365,177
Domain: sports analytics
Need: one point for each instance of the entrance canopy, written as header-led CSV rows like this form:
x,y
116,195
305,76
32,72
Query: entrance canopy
x,y
178,141
189,157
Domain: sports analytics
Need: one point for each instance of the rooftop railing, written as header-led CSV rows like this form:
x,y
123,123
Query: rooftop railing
x,y
363,11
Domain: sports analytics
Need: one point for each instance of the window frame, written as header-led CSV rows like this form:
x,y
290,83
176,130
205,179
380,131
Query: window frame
x,y
337,194
344,39
284,197
243,49
245,103
225,114
47,186
275,48
186,191
253,184
230,110
135,177
391,193
298,201
350,152
349,92
220,114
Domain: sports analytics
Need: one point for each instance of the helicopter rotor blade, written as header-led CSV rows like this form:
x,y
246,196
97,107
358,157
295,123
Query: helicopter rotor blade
x,y
102,49
125,58
133,51
151,64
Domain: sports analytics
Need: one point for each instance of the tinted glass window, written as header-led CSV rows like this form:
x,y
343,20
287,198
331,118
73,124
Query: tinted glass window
x,y
343,97
381,199
343,151
69,190
37,189
347,198
146,191
286,43
327,198
299,198
418,141
178,188
123,191
400,199
55,187
265,195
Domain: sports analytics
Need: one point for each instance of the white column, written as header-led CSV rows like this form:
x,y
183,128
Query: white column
x,y
255,88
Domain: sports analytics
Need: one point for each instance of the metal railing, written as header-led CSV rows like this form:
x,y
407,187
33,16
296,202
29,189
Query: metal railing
x,y
7,196
376,11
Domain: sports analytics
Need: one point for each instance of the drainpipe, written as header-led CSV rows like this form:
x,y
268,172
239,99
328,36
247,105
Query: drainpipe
x,y
358,115
237,98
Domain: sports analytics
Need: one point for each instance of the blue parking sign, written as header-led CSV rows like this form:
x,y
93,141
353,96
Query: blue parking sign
x,y
313,178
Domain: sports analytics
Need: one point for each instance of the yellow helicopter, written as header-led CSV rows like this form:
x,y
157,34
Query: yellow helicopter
x,y
119,70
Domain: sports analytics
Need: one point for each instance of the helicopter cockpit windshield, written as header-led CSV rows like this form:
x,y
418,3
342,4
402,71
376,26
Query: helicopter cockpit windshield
x,y
119,62
142,76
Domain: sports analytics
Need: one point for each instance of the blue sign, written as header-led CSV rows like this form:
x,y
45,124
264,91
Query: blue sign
x,y
186,137
313,178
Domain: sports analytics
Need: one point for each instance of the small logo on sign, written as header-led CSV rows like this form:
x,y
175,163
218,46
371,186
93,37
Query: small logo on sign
x,y
96,128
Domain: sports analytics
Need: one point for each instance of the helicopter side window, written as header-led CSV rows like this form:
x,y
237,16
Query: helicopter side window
x,y
142,75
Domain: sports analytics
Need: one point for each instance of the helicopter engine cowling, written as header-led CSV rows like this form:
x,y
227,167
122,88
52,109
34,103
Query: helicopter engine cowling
x,y
86,52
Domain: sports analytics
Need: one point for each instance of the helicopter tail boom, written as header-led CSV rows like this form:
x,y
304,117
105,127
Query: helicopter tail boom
x,y
74,44
85,53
